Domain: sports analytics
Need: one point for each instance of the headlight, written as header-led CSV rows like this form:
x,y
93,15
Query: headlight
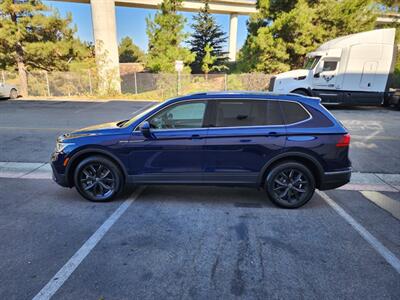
x,y
61,146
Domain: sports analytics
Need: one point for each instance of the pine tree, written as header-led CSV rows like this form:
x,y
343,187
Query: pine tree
x,y
207,31
129,52
32,39
208,60
166,35
208,63
283,31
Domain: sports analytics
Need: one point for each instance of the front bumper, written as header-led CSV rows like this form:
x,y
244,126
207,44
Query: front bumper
x,y
59,178
332,180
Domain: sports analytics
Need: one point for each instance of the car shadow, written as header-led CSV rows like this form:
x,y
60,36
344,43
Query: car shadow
x,y
239,197
213,196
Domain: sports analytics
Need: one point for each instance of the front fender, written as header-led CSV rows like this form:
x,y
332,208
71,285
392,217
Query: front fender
x,y
285,86
91,150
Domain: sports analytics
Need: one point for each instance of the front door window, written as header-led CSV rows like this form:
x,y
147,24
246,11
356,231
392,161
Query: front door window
x,y
180,116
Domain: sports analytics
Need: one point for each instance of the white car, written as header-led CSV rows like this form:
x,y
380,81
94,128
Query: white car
x,y
8,91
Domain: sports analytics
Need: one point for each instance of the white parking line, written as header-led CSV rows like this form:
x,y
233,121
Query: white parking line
x,y
377,245
63,274
383,201
369,187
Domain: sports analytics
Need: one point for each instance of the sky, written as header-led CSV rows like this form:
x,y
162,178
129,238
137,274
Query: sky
x,y
131,22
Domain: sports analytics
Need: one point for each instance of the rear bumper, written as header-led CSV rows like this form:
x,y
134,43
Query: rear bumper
x,y
332,180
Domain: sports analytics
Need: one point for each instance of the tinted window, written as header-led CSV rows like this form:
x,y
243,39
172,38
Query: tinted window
x,y
187,115
293,112
274,114
329,66
247,113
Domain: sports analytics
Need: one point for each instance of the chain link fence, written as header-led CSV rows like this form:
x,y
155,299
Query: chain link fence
x,y
146,85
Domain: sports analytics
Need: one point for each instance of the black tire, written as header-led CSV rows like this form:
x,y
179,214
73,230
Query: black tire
x,y
300,92
13,94
98,179
290,184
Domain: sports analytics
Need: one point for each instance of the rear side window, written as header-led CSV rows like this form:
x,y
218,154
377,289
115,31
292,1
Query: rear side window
x,y
236,113
293,112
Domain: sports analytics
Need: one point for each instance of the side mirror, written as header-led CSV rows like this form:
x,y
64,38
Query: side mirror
x,y
318,70
145,129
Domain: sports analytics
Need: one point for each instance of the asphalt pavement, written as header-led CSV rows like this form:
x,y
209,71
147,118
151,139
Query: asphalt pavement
x,y
185,242
28,129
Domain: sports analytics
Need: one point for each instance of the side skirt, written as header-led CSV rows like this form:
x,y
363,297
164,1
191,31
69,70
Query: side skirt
x,y
225,179
349,97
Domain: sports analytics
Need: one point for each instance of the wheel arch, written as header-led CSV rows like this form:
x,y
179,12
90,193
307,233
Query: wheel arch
x,y
306,91
312,163
85,153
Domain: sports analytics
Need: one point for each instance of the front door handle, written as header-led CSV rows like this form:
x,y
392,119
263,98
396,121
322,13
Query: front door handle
x,y
196,136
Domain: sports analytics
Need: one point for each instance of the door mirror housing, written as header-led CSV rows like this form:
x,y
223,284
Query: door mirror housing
x,y
318,69
145,129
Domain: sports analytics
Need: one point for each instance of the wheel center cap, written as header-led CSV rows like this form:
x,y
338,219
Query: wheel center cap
x,y
97,179
290,185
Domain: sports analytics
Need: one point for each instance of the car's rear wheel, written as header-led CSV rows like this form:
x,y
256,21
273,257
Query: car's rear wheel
x,y
98,179
13,94
290,184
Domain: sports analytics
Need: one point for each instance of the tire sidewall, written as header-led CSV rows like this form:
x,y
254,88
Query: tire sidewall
x,y
276,170
113,169
13,94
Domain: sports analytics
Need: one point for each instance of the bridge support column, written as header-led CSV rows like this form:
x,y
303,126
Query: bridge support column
x,y
233,27
106,45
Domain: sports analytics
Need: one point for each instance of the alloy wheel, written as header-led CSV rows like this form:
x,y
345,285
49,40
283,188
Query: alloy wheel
x,y
290,185
97,180
13,94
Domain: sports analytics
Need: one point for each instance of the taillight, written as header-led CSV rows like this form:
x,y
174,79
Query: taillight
x,y
344,141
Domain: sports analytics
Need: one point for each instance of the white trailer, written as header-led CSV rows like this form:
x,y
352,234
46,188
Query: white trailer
x,y
354,69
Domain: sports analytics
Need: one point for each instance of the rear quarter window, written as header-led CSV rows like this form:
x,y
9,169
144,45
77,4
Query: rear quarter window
x,y
294,112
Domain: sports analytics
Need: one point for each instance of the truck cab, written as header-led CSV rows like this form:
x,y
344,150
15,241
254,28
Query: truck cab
x,y
354,69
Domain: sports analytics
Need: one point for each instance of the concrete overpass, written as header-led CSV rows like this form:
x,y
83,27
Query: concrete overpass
x,y
388,18
105,30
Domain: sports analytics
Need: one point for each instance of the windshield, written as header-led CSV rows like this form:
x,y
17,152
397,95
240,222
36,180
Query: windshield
x,y
311,62
138,116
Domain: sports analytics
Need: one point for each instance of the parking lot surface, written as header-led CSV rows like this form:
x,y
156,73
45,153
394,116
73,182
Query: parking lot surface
x,y
193,242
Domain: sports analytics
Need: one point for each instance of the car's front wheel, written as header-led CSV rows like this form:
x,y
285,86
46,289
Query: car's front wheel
x,y
13,94
290,184
98,179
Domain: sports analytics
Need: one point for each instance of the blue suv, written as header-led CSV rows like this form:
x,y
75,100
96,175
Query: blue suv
x,y
287,144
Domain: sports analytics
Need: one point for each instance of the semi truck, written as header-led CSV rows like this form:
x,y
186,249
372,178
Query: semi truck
x,y
353,69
